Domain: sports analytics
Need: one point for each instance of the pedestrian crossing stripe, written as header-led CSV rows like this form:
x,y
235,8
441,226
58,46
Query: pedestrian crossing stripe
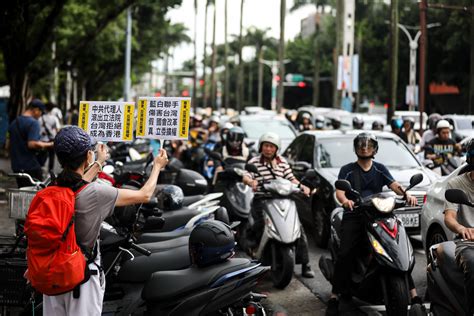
x,y
184,118
128,122
84,115
141,119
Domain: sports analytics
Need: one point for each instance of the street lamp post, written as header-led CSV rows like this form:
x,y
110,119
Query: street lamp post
x,y
274,66
412,92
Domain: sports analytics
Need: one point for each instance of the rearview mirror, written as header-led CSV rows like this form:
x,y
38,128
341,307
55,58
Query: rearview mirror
x,y
301,166
343,185
251,168
414,180
310,174
457,196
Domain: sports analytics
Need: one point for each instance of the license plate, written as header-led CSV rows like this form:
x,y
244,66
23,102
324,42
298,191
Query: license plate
x,y
409,220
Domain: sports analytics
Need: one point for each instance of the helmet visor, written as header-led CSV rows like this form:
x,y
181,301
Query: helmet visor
x,y
364,143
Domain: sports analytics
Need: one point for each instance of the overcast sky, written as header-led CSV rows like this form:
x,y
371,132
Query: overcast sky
x,y
259,13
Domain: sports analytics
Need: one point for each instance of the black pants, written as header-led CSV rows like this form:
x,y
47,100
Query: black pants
x,y
35,174
51,156
353,241
465,260
301,256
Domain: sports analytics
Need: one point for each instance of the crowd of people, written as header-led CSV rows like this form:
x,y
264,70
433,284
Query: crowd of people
x,y
37,137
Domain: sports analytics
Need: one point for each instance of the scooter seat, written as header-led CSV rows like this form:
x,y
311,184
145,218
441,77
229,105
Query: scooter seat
x,y
161,236
188,200
140,269
446,262
177,218
164,285
164,245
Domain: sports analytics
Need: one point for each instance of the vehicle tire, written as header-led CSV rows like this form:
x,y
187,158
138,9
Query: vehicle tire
x,y
398,295
283,272
435,236
321,226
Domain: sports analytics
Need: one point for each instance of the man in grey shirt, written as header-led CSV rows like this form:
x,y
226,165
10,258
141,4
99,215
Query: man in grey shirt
x,y
460,220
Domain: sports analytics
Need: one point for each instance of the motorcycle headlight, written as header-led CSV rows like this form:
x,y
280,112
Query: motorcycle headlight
x,y
379,248
384,205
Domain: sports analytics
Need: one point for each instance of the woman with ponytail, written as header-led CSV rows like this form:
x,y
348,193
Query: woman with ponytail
x,y
94,202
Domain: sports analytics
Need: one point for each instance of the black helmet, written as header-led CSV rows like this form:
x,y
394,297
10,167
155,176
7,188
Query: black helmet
x,y
357,122
470,151
336,122
364,139
433,119
377,126
170,198
235,137
211,242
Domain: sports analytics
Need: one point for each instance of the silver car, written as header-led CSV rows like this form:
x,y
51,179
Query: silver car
x,y
433,229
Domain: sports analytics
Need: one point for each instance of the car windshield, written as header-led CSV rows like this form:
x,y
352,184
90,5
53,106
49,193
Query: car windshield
x,y
255,128
336,152
464,123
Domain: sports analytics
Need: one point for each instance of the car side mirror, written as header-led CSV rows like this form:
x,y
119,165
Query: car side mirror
x,y
428,163
457,196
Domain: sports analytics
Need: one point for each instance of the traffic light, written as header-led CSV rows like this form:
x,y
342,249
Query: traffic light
x,y
302,84
185,93
201,82
277,77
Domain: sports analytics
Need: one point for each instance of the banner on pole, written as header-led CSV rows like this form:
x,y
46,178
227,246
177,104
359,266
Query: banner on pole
x,y
107,121
163,118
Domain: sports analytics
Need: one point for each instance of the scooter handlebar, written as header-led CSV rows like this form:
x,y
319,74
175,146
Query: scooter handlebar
x,y
140,249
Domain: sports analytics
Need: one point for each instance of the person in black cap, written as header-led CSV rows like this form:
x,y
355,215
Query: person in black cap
x,y
25,143
94,202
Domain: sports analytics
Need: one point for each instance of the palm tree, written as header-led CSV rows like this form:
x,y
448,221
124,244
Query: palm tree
x,y
226,61
214,58
240,78
194,100
204,92
281,54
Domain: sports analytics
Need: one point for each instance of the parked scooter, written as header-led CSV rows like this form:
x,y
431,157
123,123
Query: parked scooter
x,y
445,278
381,272
282,229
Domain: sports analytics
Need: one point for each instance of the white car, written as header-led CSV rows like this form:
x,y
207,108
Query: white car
x,y
433,229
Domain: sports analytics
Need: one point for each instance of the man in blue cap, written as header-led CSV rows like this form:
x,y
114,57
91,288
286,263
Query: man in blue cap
x,y
25,142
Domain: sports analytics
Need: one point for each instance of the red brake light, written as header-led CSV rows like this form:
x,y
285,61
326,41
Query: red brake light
x,y
424,198
250,310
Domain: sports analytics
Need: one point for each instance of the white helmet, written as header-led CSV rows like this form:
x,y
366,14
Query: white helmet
x,y
443,124
271,138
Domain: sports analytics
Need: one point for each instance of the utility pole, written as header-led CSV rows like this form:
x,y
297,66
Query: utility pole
x,y
337,51
128,55
423,38
274,67
393,81
194,96
204,92
347,54
226,61
214,61
240,74
281,55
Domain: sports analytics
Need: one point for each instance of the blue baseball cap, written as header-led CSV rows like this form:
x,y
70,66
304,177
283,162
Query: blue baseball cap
x,y
72,142
36,103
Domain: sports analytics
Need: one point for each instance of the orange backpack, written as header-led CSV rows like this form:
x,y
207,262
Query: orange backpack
x,y
56,263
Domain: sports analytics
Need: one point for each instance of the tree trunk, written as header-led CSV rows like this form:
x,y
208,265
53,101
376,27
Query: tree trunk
x,y
194,100
393,58
204,92
316,70
226,61
19,90
240,77
260,77
281,55
214,60
471,77
336,96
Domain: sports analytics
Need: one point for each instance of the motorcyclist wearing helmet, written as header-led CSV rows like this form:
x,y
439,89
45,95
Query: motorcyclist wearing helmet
x,y
368,177
213,129
234,146
442,147
357,122
460,220
336,122
428,135
306,124
270,165
319,122
396,124
377,125
413,138
291,116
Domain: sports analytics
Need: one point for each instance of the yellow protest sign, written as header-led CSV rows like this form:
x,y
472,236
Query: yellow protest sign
x,y
163,117
107,121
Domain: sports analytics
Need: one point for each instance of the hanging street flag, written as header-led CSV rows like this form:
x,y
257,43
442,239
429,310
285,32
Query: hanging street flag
x,y
163,117
107,121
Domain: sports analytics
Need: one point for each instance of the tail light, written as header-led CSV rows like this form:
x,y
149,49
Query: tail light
x,y
250,310
424,198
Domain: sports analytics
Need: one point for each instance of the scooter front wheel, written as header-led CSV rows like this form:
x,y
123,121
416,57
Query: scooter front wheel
x,y
398,295
283,264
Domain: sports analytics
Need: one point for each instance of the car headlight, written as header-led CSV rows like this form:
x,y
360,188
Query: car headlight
x,y
384,205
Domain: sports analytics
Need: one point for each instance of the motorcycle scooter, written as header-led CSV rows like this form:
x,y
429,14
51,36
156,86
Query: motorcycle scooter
x,y
282,228
381,272
445,278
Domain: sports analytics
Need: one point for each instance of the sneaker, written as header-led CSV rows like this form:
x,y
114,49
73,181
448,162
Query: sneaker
x,y
306,271
333,307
